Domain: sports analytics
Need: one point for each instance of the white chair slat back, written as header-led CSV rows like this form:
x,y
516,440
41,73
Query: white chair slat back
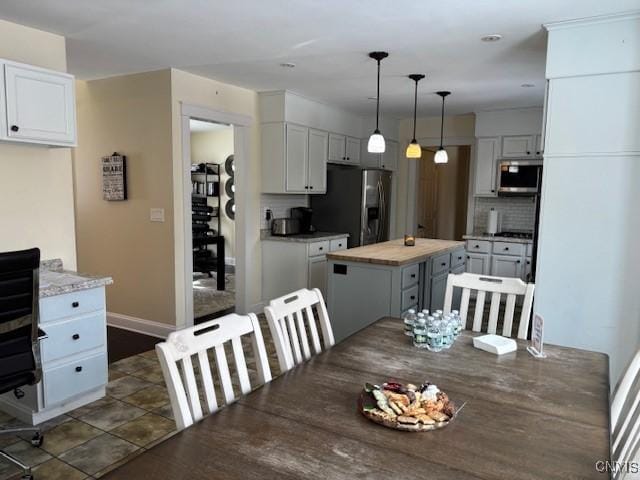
x,y
625,418
496,286
292,321
181,377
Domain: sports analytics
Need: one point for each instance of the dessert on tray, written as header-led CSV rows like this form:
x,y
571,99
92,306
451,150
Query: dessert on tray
x,y
407,407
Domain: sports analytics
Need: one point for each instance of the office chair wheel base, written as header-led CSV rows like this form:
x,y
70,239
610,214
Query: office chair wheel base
x,y
37,440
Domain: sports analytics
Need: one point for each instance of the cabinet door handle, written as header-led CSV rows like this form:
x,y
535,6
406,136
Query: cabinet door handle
x,y
344,158
413,275
459,258
517,261
15,128
493,191
443,264
477,246
321,248
506,249
78,369
311,187
75,304
76,336
468,257
528,153
413,297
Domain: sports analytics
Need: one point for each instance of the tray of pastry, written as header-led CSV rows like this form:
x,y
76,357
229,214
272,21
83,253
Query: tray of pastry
x,y
407,407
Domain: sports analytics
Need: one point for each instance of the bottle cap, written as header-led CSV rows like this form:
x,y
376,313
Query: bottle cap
x,y
411,310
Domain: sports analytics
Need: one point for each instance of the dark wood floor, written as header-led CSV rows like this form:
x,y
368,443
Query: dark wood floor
x,y
124,343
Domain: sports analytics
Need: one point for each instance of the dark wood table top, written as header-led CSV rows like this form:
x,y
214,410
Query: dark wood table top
x,y
525,418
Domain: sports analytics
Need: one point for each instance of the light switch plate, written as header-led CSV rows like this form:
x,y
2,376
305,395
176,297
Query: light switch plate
x,y
156,214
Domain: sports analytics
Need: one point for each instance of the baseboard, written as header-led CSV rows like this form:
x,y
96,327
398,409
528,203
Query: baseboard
x,y
139,325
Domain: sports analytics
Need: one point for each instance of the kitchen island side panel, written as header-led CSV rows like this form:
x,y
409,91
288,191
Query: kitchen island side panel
x,y
359,294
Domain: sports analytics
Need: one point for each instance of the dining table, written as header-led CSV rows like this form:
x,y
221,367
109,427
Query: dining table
x,y
523,418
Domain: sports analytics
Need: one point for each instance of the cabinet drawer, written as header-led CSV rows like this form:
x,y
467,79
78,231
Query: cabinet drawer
x,y
508,248
339,244
71,304
318,248
529,249
410,275
457,257
65,382
440,264
478,246
73,336
409,297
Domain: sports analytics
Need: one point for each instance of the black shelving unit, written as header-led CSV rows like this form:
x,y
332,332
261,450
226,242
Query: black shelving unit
x,y
205,183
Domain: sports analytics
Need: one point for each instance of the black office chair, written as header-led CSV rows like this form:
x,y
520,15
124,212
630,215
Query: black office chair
x,y
19,333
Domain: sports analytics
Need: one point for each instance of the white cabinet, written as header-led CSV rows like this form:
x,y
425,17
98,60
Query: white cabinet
x,y
479,263
387,160
318,274
289,266
297,158
538,145
506,266
294,159
518,146
487,153
37,105
343,149
318,144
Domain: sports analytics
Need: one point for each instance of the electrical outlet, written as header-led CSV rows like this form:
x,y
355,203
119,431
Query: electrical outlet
x,y
156,214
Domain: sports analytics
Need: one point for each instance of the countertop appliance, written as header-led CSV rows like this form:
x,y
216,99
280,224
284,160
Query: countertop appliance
x,y
304,215
357,202
285,226
519,177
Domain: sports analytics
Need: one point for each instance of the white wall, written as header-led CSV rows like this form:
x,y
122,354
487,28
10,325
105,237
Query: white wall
x,y
588,276
509,121
36,183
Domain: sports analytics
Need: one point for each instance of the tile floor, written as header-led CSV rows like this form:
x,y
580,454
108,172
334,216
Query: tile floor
x,y
92,440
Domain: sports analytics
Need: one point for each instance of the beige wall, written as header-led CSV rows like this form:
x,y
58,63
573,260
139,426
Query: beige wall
x,y
215,146
427,133
192,89
130,115
36,183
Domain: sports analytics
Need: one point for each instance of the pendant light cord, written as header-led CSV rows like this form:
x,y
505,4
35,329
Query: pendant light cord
x,y
415,110
442,123
378,98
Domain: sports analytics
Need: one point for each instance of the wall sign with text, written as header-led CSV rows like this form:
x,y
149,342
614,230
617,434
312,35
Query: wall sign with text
x,y
114,177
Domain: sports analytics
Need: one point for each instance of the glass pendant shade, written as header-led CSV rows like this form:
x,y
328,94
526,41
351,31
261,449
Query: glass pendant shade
x,y
441,156
414,150
376,143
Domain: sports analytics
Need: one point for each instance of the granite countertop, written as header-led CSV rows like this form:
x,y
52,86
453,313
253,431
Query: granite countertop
x,y
497,238
395,253
304,237
54,280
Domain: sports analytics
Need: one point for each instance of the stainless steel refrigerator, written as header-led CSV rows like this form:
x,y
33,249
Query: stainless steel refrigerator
x,y
357,202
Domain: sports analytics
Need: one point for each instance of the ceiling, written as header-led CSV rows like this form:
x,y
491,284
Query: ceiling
x,y
243,42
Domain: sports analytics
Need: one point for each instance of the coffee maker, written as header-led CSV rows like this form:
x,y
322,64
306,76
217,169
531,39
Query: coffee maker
x,y
303,214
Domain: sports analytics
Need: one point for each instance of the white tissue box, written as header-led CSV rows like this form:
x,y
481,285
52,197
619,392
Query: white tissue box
x,y
495,344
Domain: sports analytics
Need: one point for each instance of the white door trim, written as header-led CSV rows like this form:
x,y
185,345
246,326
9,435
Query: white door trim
x,y
242,148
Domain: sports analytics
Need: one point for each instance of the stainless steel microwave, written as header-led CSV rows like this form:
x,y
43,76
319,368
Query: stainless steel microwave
x,y
519,177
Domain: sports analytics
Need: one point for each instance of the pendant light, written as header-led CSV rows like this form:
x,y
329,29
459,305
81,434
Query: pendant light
x,y
441,155
414,150
376,140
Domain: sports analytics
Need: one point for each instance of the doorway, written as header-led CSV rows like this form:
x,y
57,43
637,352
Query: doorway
x,y
213,218
443,190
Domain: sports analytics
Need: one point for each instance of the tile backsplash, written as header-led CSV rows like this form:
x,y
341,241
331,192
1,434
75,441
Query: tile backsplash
x,y
279,205
518,213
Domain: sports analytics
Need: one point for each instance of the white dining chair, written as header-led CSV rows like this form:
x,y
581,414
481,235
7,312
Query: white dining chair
x,y
496,286
290,317
625,420
192,345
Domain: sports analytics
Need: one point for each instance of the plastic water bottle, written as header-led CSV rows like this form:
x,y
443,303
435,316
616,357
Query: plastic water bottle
x,y
426,312
409,319
420,332
434,334
447,331
458,322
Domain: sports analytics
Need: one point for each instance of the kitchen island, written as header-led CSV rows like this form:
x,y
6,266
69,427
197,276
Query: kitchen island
x,y
388,278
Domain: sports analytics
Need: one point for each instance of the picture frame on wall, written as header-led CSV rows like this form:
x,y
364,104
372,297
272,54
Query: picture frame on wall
x,y
114,177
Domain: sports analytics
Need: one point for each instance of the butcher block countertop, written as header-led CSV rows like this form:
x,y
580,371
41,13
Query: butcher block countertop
x,y
394,252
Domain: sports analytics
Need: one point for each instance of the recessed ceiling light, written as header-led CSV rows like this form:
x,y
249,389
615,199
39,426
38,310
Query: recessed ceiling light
x,y
494,37
527,85
287,65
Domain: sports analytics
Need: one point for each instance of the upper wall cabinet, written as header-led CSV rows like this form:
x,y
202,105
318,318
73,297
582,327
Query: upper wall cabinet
x,y
487,153
387,160
345,150
38,105
294,159
521,146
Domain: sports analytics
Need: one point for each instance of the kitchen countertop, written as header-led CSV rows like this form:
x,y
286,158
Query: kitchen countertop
x,y
305,237
497,238
54,280
395,253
